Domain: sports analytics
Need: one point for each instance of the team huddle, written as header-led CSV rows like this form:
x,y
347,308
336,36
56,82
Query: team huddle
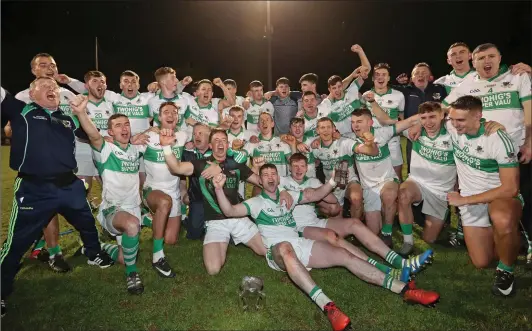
x,y
319,168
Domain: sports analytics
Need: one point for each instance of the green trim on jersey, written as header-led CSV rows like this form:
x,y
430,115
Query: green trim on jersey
x,y
461,76
157,155
503,69
433,154
345,112
389,91
526,98
480,131
97,103
486,165
113,163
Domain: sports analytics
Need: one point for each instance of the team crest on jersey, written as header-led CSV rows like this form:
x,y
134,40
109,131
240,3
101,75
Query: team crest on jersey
x,y
479,149
507,84
107,112
335,152
446,143
436,96
278,145
390,102
67,124
138,100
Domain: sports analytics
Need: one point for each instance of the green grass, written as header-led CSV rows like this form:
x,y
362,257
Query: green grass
x,y
92,299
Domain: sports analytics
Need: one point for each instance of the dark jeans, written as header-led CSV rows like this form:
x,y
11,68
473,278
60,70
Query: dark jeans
x,y
195,224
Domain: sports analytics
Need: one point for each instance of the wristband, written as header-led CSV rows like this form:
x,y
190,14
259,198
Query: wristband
x,y
167,150
332,182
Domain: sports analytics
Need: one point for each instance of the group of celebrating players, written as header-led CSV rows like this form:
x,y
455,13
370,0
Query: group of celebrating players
x,y
179,149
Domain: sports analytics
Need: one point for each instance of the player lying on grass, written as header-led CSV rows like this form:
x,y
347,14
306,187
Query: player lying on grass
x,y
288,252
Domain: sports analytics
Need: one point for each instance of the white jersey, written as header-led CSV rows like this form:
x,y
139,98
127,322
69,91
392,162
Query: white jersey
x,y
312,123
99,113
392,102
339,150
273,150
339,111
243,135
302,213
136,109
239,101
452,80
502,97
157,174
180,100
65,96
208,115
374,170
119,170
479,157
253,112
432,162
275,221
311,169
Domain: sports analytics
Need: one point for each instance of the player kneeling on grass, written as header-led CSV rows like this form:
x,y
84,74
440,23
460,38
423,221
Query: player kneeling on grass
x,y
335,229
118,165
288,252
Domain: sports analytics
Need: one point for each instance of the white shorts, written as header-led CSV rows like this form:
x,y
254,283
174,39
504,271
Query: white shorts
x,y
107,213
241,229
372,196
316,222
302,248
340,193
395,152
174,195
478,215
84,160
433,204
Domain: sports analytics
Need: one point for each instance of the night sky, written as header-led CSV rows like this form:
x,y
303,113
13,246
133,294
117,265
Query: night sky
x,y
226,39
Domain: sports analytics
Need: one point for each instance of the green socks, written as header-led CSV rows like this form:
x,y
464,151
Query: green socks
x,y
407,233
387,229
317,295
147,220
111,249
130,246
394,259
54,251
158,252
502,266
379,266
39,245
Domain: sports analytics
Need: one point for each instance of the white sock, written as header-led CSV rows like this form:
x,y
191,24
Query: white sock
x,y
158,255
408,238
319,297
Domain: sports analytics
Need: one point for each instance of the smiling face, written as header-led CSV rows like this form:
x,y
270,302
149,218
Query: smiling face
x,y
325,130
431,121
464,121
298,169
266,124
96,86
361,124
310,103
458,57
219,144
168,116
283,90
238,118
45,93
336,90
381,78
129,85
297,129
204,93
269,179
487,62
44,66
201,136
120,129
421,76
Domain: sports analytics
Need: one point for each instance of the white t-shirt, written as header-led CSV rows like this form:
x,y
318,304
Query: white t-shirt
x,y
340,110
273,150
452,80
339,150
136,109
306,212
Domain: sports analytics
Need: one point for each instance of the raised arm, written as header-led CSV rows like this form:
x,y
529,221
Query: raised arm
x,y
405,124
369,147
79,108
360,71
10,106
229,210
380,114
229,98
166,139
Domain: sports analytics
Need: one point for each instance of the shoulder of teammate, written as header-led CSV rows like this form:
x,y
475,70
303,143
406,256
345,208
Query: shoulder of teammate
x,y
181,137
441,80
111,96
314,182
455,93
524,89
502,149
254,206
23,96
240,156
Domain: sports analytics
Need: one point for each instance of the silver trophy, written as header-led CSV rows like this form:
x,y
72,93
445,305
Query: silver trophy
x,y
250,295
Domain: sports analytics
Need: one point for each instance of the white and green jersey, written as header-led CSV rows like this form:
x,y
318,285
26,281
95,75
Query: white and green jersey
x,y
302,213
157,174
339,150
243,135
208,114
136,109
339,111
119,170
275,221
374,170
273,150
179,100
432,162
452,80
478,159
99,113
502,100
312,123
65,96
253,112
392,102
